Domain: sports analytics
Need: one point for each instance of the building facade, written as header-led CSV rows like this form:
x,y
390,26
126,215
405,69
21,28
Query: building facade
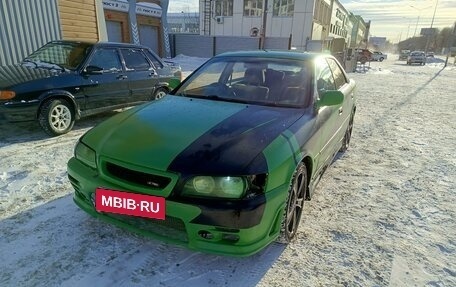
x,y
27,25
148,18
281,18
302,21
340,24
359,32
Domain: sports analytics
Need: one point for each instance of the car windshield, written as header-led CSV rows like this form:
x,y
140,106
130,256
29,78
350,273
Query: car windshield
x,y
262,81
58,55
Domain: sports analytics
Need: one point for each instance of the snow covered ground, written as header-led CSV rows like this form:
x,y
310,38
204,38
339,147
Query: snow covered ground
x,y
384,213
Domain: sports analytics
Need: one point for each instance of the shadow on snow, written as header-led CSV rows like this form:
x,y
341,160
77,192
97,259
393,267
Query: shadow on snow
x,y
57,244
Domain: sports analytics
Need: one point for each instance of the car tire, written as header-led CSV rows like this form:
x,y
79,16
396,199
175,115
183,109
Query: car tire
x,y
56,117
294,205
381,59
159,93
347,136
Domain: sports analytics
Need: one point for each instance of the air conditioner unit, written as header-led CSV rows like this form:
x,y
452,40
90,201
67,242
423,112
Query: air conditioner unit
x,y
219,19
254,32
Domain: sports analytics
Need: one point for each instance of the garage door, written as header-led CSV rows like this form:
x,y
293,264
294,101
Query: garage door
x,y
148,36
114,30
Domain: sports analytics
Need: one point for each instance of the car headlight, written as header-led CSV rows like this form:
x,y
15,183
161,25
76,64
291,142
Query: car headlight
x,y
216,186
85,154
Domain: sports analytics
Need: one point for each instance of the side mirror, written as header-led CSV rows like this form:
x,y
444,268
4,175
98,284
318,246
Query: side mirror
x,y
93,70
330,98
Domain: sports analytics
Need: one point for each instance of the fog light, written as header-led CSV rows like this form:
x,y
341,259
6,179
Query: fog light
x,y
230,237
205,234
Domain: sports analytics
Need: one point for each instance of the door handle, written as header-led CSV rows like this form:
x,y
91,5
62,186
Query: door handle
x,y
340,111
122,77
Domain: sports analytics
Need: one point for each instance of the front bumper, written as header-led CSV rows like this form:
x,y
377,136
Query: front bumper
x,y
203,227
18,111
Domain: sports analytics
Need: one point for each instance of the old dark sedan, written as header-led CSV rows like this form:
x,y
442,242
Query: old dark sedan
x,y
65,80
250,137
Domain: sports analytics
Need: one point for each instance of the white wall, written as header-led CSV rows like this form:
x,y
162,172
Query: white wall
x,y
300,25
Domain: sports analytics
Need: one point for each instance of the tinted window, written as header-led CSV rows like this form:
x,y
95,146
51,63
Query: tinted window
x,y
339,76
157,63
325,80
66,54
106,59
135,59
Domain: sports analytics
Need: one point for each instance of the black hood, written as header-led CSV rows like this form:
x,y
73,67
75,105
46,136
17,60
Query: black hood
x,y
11,76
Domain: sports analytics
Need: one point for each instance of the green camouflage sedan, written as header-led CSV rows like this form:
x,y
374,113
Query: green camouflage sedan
x,y
225,162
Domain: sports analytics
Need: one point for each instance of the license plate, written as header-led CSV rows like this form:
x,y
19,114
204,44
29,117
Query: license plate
x,y
112,201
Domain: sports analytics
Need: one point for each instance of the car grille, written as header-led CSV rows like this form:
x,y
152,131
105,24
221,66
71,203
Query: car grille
x,y
171,227
137,177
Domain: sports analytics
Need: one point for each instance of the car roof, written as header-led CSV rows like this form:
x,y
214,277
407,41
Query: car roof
x,y
102,44
283,54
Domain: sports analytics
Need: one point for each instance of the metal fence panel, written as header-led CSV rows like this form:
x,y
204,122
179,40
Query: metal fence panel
x,y
276,43
208,46
228,44
25,26
193,45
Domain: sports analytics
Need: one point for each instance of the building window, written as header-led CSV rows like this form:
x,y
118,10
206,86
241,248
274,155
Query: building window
x,y
283,8
253,8
223,7
322,13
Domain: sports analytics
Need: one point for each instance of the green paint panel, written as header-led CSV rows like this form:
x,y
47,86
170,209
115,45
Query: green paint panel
x,y
159,131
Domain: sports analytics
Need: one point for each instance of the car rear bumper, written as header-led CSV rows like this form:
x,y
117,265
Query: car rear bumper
x,y
206,228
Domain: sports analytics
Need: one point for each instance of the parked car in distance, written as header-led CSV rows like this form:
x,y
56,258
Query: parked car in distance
x,y
66,80
404,54
251,134
378,56
363,55
416,57
430,54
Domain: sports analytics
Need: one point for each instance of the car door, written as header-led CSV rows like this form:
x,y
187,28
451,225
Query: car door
x,y
141,74
328,117
105,82
345,110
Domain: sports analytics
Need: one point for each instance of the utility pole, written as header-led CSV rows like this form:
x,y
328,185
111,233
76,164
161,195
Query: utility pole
x,y
430,31
450,43
263,28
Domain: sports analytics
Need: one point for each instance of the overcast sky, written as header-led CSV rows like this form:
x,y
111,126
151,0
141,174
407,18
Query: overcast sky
x,y
394,19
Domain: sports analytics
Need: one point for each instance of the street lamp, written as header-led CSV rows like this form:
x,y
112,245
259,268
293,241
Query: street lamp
x,y
435,9
419,12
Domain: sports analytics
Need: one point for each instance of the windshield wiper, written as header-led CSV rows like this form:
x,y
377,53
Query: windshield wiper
x,y
30,61
215,98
